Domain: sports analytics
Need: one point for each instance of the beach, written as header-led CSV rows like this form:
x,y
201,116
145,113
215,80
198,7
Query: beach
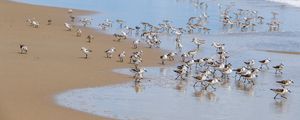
x,y
54,62
55,81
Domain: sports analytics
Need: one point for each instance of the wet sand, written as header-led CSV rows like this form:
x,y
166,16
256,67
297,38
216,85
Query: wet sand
x,y
53,64
280,52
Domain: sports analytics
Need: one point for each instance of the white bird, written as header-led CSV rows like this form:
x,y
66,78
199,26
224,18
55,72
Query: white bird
x,y
35,24
171,55
70,11
68,26
78,33
278,68
109,52
122,55
184,56
219,46
198,42
179,46
211,83
201,77
192,53
23,49
265,63
86,51
164,58
281,92
250,64
135,44
284,83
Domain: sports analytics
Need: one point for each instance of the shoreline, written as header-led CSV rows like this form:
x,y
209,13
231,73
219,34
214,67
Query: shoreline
x,y
53,64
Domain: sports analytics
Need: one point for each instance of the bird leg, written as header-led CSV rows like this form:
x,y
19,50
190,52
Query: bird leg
x,y
177,77
283,96
275,96
195,83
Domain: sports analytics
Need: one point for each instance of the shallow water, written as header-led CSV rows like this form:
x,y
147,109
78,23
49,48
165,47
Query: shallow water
x,y
159,96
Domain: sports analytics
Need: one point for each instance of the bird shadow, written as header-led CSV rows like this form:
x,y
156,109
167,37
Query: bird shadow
x,y
82,58
280,105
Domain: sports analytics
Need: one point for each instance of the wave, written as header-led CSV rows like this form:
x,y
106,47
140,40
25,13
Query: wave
x,y
295,3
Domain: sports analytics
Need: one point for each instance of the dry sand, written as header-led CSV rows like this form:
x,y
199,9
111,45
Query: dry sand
x,y
53,63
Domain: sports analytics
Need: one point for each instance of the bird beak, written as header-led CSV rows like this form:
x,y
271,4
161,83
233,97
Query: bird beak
x,y
289,91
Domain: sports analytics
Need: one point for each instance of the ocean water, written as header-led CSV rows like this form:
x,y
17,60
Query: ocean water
x,y
295,3
160,97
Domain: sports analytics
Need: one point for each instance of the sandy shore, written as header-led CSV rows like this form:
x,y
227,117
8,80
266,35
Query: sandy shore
x,y
53,64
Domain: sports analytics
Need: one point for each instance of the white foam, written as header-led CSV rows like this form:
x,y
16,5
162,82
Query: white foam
x,y
295,3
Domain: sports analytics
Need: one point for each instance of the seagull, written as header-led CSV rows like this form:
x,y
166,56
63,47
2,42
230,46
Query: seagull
x,y
109,52
23,49
280,92
284,83
264,62
278,68
68,26
86,51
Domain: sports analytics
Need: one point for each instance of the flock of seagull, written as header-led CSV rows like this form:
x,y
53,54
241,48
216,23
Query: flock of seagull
x,y
210,70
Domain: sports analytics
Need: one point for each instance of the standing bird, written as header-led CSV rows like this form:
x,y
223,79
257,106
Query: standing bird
x,y
109,52
281,92
136,43
264,62
86,51
122,55
278,68
250,64
200,78
90,38
284,83
192,53
78,33
72,18
23,49
120,22
198,42
171,56
211,83
164,58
